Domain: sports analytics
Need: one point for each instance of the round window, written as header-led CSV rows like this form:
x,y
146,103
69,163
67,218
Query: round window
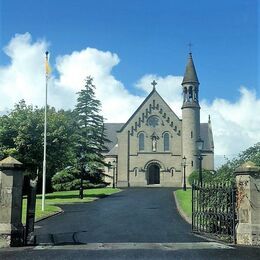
x,y
153,121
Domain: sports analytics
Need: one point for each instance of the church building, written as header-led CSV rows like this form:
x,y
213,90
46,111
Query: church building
x,y
157,148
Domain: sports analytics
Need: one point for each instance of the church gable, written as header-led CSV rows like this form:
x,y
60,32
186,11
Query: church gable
x,y
152,105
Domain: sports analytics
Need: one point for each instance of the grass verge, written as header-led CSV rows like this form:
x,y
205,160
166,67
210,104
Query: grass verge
x,y
64,197
184,200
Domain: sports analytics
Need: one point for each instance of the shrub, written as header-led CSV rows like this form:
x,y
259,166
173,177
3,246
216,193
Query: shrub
x,y
64,180
207,176
69,179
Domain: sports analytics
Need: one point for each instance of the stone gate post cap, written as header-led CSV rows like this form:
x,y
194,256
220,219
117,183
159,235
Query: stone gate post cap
x,y
247,168
10,162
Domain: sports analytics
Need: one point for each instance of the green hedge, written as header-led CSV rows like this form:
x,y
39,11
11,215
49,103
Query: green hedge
x,y
69,179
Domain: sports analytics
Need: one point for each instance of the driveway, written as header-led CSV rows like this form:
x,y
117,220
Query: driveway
x,y
133,215
133,224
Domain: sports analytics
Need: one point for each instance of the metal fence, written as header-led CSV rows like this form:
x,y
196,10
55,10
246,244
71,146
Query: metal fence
x,y
214,210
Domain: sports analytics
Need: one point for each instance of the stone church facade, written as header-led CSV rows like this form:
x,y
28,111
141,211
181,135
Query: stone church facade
x,y
148,149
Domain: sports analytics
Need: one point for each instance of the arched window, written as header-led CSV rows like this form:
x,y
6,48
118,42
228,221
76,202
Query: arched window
x,y
196,93
166,142
185,94
141,141
190,93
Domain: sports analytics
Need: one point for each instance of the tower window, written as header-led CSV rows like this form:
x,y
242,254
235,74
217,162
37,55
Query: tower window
x,y
196,94
185,94
192,163
191,134
166,142
141,141
190,92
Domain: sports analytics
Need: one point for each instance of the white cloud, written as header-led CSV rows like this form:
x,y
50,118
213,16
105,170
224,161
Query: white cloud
x,y
22,77
118,104
236,125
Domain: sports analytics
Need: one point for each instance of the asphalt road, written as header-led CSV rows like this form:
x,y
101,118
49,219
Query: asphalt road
x,y
140,223
134,215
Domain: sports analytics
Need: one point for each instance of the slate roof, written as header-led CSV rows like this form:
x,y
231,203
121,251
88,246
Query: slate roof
x,y
113,151
110,132
207,136
190,75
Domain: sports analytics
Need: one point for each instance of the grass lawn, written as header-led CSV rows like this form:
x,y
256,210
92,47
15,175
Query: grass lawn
x,y
65,197
184,199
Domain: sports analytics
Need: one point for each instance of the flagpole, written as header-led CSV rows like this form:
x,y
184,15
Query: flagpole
x,y
45,134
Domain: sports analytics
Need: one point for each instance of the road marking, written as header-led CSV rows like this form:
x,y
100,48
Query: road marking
x,y
136,246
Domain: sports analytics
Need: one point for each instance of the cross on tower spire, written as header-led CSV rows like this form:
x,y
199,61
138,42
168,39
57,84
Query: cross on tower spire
x,y
153,83
190,45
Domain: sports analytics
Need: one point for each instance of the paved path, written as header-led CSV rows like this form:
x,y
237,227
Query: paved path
x,y
133,224
133,215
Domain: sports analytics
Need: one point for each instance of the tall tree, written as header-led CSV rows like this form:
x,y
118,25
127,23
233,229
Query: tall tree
x,y
21,135
90,132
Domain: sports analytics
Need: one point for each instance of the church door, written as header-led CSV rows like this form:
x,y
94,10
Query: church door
x,y
153,174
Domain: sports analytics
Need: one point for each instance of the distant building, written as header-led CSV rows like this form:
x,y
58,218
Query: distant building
x,y
148,149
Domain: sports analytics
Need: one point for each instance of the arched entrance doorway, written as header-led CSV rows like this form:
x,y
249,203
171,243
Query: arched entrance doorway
x,y
153,174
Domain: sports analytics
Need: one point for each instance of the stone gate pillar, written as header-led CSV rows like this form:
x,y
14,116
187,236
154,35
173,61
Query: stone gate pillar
x,y
248,204
11,184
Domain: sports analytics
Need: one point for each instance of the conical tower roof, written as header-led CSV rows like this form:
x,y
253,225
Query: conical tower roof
x,y
190,75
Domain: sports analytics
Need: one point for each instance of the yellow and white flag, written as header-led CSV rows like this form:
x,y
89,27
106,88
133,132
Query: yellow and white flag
x,y
47,65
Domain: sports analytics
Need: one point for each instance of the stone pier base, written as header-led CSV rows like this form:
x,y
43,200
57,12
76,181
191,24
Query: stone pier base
x,y
248,204
248,234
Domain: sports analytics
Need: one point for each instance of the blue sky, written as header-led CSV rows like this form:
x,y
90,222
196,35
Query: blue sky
x,y
124,45
149,36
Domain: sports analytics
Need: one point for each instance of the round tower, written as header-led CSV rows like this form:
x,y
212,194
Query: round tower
x,y
190,116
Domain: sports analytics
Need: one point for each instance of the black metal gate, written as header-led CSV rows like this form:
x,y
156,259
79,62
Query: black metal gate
x,y
214,210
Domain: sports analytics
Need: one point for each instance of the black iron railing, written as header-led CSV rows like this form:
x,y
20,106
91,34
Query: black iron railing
x,y
214,210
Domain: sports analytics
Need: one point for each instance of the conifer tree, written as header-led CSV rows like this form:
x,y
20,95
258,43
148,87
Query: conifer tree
x,y
90,132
